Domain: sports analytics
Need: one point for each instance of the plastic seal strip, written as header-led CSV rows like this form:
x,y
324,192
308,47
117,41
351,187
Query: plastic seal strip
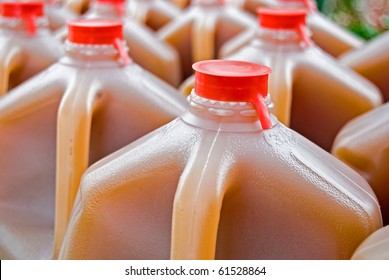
x,y
30,21
119,46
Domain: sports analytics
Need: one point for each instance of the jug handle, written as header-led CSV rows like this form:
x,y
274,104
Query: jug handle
x,y
203,37
10,59
138,11
73,140
197,204
160,54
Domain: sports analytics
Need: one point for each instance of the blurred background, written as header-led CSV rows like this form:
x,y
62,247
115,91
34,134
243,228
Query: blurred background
x,y
366,18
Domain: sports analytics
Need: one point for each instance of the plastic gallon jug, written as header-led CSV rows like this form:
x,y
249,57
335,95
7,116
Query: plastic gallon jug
x,y
372,62
364,145
153,13
312,92
90,104
375,247
26,44
58,15
201,29
330,37
225,180
146,50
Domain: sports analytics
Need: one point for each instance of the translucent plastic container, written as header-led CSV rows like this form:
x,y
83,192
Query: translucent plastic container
x,y
201,29
77,6
153,13
226,180
57,14
150,53
26,44
311,91
372,62
375,247
91,103
181,3
364,145
330,37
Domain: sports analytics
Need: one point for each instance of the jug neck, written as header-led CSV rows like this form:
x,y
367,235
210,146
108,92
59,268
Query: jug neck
x,y
284,36
104,55
310,5
223,115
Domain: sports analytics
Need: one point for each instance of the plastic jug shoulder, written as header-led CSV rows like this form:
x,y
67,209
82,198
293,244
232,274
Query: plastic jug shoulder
x,y
26,44
372,62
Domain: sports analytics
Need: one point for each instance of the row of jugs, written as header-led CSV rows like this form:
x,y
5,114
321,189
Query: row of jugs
x,y
78,117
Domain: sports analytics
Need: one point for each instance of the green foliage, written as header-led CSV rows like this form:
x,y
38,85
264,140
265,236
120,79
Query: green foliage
x,y
366,18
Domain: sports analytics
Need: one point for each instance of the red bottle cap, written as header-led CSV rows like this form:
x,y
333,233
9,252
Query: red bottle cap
x,y
22,9
95,32
98,32
27,11
281,18
285,19
235,81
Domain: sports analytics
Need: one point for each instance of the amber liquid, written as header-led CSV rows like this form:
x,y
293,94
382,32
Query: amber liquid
x,y
100,109
363,144
372,62
184,192
320,108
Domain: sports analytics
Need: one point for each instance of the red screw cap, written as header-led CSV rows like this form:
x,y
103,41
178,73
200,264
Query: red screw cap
x,y
285,19
26,11
98,32
281,18
235,81
95,32
19,10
